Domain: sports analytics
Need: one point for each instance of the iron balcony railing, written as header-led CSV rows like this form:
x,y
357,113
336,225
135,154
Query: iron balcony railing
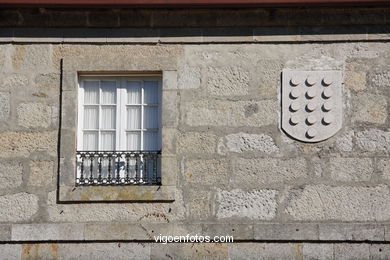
x,y
118,168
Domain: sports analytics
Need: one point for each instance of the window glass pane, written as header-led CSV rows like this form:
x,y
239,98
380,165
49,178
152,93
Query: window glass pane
x,y
91,92
134,117
108,92
91,117
107,141
108,117
150,141
151,117
151,92
90,141
134,92
133,140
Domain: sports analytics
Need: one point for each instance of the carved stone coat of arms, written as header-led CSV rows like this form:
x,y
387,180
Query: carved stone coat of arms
x,y
311,104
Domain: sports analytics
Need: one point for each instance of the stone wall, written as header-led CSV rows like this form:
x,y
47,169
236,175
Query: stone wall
x,y
237,172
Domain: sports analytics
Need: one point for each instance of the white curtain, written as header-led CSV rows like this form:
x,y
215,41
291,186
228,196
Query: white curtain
x,y
91,92
133,140
108,117
90,141
134,117
91,117
134,92
151,92
108,92
107,141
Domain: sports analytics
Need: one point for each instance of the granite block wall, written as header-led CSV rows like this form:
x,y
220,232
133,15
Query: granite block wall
x,y
237,173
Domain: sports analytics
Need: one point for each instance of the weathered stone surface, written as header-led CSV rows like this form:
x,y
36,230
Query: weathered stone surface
x,y
351,169
206,172
5,233
355,80
35,57
345,142
370,108
243,142
346,231
252,172
313,251
170,79
23,143
41,173
288,231
11,251
380,251
18,207
227,81
34,115
237,231
321,202
42,232
101,251
188,251
197,142
231,113
382,79
134,212
48,85
4,105
352,251
198,203
11,174
141,231
189,77
373,140
13,81
255,204
264,251
384,167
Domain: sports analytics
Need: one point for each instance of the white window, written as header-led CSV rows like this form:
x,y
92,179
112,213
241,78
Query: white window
x,y
119,130
119,114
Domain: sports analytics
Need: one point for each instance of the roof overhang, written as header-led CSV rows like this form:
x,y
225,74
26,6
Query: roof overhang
x,y
186,3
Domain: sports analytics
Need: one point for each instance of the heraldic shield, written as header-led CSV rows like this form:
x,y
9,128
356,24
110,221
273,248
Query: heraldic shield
x,y
311,104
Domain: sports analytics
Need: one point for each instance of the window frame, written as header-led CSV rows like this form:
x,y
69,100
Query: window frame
x,y
121,109
126,64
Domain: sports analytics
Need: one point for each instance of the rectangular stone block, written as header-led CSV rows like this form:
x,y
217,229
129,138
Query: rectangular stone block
x,y
340,203
207,172
197,143
351,169
352,251
5,233
254,204
47,232
313,251
205,251
356,231
237,231
11,174
230,113
11,251
253,172
256,251
23,143
380,251
104,251
291,231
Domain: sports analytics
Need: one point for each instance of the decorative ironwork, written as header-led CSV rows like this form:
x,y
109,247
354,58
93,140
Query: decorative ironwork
x,y
118,168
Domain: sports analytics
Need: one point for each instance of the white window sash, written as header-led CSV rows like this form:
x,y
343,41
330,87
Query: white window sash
x,y
121,111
